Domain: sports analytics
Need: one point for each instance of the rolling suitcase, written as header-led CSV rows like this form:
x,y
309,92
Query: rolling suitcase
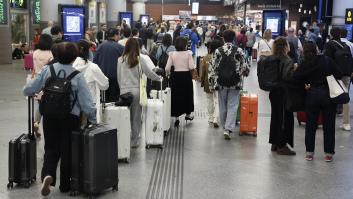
x,y
301,117
94,163
254,54
153,123
23,154
28,62
166,97
119,118
248,114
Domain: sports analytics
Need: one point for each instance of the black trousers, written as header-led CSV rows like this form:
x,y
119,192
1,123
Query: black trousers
x,y
57,137
318,100
113,92
282,121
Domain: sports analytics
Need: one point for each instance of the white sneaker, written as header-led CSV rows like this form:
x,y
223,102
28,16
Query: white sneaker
x,y
346,127
47,181
226,135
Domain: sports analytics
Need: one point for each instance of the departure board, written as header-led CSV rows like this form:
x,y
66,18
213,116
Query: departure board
x,y
3,12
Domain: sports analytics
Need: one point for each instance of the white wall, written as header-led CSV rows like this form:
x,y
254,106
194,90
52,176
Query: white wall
x,y
49,9
339,10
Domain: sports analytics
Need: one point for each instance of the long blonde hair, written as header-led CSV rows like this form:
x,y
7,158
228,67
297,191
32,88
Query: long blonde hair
x,y
267,34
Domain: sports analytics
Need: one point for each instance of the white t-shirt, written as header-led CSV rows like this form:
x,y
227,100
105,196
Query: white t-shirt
x,y
264,46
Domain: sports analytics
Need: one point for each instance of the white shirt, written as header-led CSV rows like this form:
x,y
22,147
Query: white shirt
x,y
123,41
264,46
350,44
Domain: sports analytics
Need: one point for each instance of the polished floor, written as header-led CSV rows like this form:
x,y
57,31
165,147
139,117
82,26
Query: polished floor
x,y
196,161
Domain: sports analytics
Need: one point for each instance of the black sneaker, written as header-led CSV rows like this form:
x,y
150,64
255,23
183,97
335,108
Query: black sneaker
x,y
285,151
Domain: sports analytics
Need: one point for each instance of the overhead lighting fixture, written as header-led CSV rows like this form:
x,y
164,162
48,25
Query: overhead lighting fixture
x,y
300,10
309,12
304,11
301,5
315,9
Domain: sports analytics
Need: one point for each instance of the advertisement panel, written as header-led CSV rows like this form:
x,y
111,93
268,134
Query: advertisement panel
x,y
36,11
73,22
274,20
127,16
349,16
144,19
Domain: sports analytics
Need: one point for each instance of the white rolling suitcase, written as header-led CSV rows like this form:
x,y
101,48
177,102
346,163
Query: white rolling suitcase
x,y
119,117
153,123
166,97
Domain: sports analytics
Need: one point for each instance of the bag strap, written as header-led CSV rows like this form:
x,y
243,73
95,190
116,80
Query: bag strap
x,y
72,75
52,71
267,44
338,44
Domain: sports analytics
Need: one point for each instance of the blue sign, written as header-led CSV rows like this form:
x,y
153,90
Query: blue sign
x,y
73,21
349,29
274,20
125,17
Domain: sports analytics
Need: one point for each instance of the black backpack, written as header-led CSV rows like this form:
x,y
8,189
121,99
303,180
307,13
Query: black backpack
x,y
56,101
268,72
343,58
227,74
163,59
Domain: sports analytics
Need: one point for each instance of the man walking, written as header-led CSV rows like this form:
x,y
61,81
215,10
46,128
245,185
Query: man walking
x,y
106,58
226,72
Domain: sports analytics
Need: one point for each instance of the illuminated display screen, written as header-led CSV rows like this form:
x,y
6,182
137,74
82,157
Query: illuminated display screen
x,y
73,22
3,12
20,4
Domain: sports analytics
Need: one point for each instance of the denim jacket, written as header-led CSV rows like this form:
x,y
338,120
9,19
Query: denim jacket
x,y
79,87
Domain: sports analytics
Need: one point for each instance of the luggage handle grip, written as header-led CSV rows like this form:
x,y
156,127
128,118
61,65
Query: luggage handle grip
x,y
30,117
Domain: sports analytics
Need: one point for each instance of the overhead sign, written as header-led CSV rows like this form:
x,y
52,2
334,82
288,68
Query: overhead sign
x,y
36,11
349,16
3,12
20,4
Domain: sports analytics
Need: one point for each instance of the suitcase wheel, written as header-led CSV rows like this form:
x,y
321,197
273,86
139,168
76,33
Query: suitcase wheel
x,y
161,146
148,146
115,188
255,134
127,160
240,134
27,184
10,185
74,193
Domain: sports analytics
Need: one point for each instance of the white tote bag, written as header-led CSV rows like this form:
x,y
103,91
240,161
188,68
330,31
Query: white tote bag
x,y
338,91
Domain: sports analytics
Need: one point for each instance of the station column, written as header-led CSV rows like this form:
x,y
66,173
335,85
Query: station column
x,y
138,8
113,9
339,10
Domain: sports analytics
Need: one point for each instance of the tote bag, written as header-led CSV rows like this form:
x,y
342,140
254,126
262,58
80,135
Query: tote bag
x,y
338,92
143,83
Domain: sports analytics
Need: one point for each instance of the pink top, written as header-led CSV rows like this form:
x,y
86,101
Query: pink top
x,y
40,59
181,60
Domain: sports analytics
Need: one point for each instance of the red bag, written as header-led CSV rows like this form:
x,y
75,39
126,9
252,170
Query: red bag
x,y
301,116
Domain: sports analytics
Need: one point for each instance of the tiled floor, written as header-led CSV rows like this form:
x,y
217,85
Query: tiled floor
x,y
197,162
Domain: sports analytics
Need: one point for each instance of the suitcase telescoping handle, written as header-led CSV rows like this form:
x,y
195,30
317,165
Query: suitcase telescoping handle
x,y
30,117
103,99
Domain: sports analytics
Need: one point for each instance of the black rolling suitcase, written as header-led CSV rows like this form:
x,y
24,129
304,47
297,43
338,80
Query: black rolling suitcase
x,y
94,160
23,154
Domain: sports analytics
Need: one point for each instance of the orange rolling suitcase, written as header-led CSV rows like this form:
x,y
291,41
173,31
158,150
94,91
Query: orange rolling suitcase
x,y
248,114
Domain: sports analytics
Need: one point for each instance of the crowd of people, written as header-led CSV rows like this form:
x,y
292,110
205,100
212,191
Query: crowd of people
x,y
113,60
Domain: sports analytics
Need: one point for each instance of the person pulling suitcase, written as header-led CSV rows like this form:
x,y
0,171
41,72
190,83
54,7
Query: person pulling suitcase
x,y
66,95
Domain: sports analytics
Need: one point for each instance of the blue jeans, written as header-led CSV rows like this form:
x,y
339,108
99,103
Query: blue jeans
x,y
228,106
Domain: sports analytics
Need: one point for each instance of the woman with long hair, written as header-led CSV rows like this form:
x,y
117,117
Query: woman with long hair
x,y
282,120
129,66
313,71
94,76
264,47
180,64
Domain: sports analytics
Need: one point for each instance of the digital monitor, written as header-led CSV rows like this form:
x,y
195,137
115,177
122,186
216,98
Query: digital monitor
x,y
349,29
19,4
125,16
73,22
144,19
195,8
274,20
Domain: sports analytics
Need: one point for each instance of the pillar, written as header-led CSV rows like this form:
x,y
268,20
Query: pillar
x,y
49,9
339,10
113,9
138,8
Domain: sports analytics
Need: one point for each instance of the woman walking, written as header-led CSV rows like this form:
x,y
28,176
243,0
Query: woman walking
x,y
179,66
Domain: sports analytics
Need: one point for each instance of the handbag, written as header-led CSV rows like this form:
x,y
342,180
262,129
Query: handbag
x,y
194,74
295,96
143,82
125,100
338,92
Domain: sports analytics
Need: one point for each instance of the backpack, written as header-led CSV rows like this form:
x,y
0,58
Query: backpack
x,y
343,58
56,101
268,72
227,74
160,37
163,59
